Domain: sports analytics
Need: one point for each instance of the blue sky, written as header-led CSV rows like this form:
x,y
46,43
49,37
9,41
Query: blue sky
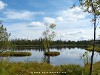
x,y
26,18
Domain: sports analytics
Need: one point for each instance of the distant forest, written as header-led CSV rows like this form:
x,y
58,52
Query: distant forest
x,y
39,42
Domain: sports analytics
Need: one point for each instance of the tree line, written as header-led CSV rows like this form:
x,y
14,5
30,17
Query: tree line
x,y
39,42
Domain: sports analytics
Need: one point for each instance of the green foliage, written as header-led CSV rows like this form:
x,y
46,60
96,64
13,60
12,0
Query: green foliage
x,y
91,6
48,35
4,37
37,44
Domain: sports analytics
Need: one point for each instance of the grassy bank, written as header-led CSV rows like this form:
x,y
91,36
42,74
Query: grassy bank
x,y
34,68
30,68
10,53
96,68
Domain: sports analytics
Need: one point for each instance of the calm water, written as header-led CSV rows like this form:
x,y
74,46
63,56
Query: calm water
x,y
67,56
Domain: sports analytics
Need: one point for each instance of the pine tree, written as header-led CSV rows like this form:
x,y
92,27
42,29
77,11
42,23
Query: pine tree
x,y
4,37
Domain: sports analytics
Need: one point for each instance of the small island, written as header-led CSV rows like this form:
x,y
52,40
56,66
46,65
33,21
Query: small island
x,y
10,53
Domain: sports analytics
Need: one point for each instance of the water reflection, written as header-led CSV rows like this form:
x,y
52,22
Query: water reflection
x,y
46,59
86,58
42,48
67,56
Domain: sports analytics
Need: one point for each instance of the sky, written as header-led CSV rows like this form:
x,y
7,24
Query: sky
x,y
25,19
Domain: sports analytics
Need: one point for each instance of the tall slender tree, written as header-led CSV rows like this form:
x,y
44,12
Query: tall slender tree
x,y
48,36
93,7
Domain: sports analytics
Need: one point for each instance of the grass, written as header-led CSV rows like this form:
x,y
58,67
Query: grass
x,y
29,68
52,53
96,68
10,53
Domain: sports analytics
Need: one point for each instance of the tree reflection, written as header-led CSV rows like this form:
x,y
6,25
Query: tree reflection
x,y
86,58
46,58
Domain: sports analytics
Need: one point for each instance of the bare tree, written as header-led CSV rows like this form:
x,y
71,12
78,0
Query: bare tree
x,y
48,35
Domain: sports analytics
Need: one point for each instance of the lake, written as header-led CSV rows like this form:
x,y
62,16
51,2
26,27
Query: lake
x,y
67,56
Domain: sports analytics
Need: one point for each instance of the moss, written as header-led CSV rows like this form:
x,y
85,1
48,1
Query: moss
x,y
9,53
52,53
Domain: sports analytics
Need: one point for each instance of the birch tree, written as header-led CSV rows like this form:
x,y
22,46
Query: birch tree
x,y
92,7
48,35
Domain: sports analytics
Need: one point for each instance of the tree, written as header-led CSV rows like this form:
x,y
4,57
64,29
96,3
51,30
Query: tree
x,y
93,7
4,37
48,36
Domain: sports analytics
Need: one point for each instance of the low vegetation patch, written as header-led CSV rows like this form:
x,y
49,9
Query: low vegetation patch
x,y
52,53
90,48
96,69
35,68
10,53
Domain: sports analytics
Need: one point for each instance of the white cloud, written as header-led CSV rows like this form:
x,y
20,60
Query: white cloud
x,y
18,15
22,30
83,38
35,24
71,24
80,32
70,18
23,14
73,34
60,19
74,14
62,35
2,5
49,20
